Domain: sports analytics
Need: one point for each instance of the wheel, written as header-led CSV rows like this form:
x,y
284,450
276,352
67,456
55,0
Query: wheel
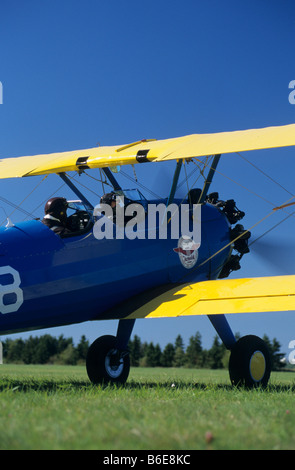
x,y
250,362
106,364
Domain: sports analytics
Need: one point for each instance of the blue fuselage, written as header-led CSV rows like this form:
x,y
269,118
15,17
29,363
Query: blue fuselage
x,y
48,281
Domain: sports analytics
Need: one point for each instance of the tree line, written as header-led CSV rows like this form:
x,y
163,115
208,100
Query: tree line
x,y
45,349
176,355
51,350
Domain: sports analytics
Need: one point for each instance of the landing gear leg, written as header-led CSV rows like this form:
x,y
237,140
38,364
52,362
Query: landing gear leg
x,y
223,329
108,359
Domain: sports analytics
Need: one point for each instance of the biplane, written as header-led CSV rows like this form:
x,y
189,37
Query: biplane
x,y
49,279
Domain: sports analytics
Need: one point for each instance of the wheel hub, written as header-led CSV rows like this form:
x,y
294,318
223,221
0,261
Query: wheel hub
x,y
114,363
257,366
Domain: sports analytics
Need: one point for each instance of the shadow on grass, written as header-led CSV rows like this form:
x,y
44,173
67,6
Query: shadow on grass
x,y
53,386
42,385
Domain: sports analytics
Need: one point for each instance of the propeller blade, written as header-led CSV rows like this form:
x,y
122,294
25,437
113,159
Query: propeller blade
x,y
279,254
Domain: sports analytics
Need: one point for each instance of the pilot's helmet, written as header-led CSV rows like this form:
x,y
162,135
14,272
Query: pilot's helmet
x,y
108,198
57,207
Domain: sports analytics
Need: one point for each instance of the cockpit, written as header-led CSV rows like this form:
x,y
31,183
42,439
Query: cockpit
x,y
124,197
121,206
79,218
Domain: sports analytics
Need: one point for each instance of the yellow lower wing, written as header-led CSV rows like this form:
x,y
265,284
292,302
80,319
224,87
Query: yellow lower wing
x,y
264,294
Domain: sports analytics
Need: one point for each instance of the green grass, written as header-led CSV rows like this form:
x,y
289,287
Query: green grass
x,y
56,407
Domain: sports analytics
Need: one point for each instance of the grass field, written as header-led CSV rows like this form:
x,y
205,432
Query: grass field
x,y
56,407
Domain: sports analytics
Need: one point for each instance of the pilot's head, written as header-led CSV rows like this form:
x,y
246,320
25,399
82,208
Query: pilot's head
x,y
109,198
57,207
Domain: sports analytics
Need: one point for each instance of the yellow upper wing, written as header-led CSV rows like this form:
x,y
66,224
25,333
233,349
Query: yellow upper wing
x,y
195,145
264,294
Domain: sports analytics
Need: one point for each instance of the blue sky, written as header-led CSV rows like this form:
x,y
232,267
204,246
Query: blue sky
x,y
77,74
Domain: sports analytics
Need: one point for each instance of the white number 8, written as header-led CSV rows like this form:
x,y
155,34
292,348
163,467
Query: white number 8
x,y
12,288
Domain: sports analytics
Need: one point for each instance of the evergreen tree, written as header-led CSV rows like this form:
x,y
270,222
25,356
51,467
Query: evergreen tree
x,y
46,348
216,354
274,350
68,356
135,351
194,356
157,355
29,349
62,343
179,356
82,348
150,354
13,350
179,343
153,355
168,355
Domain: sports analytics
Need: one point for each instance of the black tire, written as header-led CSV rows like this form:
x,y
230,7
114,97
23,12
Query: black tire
x,y
250,362
105,364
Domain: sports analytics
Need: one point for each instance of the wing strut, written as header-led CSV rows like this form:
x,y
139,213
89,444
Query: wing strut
x,y
209,178
111,178
174,182
75,190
